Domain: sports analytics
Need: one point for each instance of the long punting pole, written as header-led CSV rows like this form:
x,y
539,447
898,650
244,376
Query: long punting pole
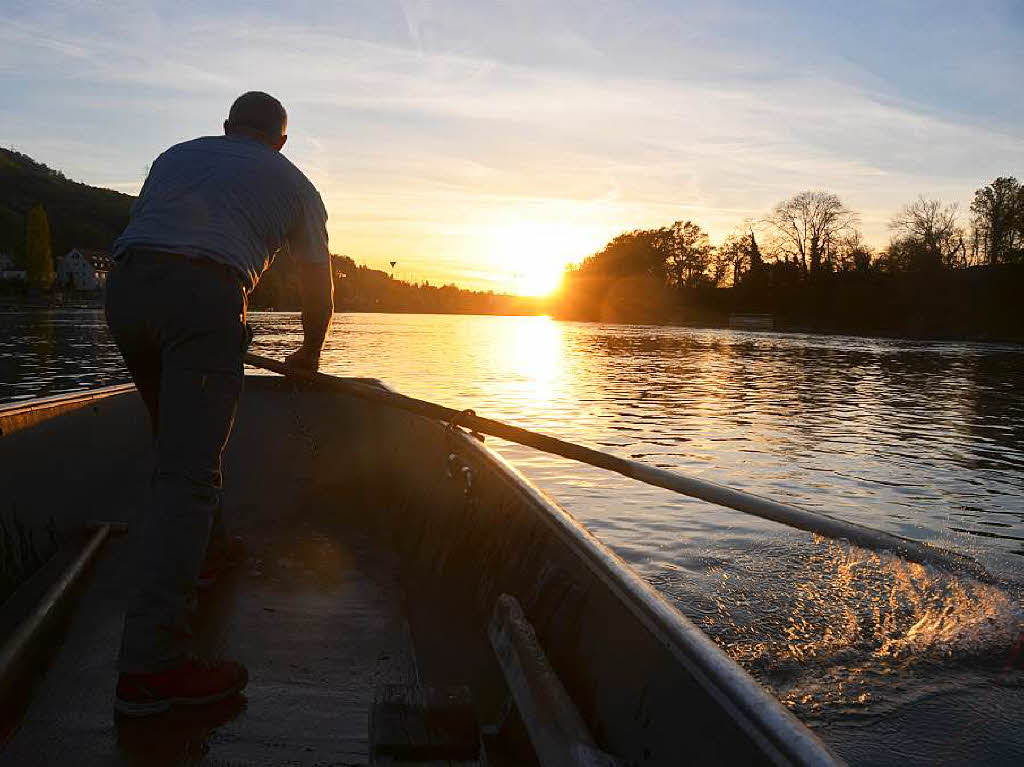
x,y
815,522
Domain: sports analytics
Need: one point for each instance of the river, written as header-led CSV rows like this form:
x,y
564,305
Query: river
x,y
921,439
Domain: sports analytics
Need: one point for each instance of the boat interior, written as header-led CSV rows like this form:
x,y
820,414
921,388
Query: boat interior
x,y
407,598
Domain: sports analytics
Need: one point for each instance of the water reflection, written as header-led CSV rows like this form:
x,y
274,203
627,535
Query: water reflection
x,y
50,352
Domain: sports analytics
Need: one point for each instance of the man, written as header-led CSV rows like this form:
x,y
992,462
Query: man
x,y
208,222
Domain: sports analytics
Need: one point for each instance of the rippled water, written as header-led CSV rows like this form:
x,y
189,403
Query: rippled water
x,y
922,440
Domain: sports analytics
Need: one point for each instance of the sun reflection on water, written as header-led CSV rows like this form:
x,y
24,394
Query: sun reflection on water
x,y
536,350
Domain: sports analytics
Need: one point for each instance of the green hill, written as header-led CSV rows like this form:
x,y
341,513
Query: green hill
x,y
80,215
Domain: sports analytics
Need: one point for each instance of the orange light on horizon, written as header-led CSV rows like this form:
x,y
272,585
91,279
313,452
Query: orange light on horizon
x,y
537,252
506,251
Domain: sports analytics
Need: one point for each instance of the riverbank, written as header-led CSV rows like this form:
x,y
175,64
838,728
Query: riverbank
x,y
976,304
16,302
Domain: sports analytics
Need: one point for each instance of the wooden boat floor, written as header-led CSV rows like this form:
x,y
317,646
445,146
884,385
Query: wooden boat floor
x,y
315,616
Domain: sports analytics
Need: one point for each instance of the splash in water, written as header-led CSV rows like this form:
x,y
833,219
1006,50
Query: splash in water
x,y
851,630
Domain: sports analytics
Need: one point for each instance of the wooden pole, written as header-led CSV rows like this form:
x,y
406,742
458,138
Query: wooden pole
x,y
811,521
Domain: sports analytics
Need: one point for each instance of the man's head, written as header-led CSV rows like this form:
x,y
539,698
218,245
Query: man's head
x,y
260,116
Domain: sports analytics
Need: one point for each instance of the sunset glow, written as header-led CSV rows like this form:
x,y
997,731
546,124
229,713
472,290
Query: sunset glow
x,y
488,144
536,253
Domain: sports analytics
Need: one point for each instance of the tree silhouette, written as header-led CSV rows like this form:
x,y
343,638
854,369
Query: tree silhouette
x,y
853,254
38,255
690,258
998,221
640,252
926,234
734,252
756,262
808,225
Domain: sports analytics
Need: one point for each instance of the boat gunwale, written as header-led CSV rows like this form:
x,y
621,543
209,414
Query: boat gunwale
x,y
37,404
780,731
24,414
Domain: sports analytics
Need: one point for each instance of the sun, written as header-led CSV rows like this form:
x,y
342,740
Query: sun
x,y
540,279
536,254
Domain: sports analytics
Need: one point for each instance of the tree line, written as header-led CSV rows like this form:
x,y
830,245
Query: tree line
x,y
359,288
806,261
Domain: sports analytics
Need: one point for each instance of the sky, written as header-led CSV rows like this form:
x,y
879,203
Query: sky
x,y
490,143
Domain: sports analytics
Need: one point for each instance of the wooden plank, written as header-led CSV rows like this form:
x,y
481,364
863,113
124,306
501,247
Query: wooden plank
x,y
557,730
414,724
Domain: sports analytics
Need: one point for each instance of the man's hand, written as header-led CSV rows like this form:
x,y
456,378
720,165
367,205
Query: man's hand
x,y
303,362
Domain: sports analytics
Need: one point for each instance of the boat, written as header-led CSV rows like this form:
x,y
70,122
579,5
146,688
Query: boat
x,y
408,598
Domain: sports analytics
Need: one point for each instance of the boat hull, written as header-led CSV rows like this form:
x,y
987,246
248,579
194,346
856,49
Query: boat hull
x,y
465,528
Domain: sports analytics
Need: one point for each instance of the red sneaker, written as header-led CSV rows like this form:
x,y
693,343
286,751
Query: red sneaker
x,y
214,567
193,683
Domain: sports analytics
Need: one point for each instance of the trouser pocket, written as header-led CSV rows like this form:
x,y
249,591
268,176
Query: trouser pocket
x,y
197,412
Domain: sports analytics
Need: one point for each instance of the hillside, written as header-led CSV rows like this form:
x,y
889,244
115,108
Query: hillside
x,y
80,215
91,217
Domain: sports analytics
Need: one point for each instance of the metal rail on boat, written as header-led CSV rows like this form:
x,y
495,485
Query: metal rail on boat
x,y
23,641
15,416
801,519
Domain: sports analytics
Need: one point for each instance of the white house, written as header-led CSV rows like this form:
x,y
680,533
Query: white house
x,y
8,271
83,269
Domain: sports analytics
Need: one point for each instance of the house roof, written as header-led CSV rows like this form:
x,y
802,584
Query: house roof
x,y
99,259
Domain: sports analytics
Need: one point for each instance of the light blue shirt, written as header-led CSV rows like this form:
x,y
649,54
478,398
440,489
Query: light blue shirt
x,y
228,199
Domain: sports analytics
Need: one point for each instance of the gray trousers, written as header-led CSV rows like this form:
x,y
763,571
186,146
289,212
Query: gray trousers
x,y
181,330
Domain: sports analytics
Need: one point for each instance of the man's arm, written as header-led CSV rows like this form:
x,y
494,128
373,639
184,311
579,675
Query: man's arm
x,y
312,260
316,285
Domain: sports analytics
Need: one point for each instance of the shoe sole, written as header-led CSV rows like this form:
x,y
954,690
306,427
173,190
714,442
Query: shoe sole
x,y
153,707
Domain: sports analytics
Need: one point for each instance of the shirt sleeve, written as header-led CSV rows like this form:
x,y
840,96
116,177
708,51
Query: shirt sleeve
x,y
308,238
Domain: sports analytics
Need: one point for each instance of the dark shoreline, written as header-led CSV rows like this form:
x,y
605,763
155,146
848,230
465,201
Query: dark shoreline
x,y
10,304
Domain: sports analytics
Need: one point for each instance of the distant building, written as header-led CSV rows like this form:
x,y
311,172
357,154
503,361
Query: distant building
x,y
83,269
9,272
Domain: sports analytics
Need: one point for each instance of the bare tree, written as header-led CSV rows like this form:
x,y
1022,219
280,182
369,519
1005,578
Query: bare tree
x,y
930,227
852,253
808,227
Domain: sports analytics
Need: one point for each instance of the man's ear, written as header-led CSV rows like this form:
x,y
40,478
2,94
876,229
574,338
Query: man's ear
x,y
280,142
226,127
